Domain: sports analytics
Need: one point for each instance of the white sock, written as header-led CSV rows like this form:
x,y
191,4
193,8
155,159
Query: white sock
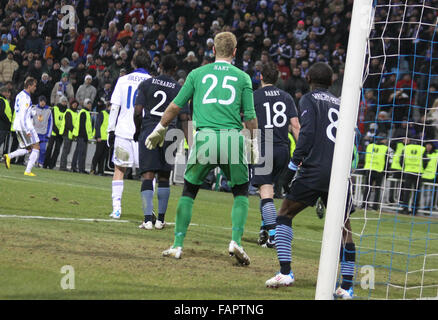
x,y
18,153
32,159
117,190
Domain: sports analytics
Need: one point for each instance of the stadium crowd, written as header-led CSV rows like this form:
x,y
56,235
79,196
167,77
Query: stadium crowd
x,y
77,67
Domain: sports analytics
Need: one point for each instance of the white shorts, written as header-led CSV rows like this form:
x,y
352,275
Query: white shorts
x,y
26,141
125,153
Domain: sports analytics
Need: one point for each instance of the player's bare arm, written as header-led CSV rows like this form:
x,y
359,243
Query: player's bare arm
x,y
295,124
170,113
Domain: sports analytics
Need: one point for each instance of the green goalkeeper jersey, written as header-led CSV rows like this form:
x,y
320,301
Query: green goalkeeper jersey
x,y
220,93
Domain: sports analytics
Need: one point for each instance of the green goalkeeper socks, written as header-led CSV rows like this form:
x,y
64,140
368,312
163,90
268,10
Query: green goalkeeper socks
x,y
239,214
182,221
184,208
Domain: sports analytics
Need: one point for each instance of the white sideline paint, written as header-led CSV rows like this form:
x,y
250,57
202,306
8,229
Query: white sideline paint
x,y
62,219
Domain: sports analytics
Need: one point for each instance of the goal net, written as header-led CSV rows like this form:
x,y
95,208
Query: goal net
x,y
395,185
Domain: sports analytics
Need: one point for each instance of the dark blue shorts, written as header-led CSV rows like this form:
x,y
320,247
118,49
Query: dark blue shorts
x,y
153,160
281,158
299,192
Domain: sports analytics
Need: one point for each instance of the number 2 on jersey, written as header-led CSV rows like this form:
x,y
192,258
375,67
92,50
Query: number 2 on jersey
x,y
162,101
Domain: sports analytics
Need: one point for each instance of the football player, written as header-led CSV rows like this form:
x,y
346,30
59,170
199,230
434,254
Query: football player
x,y
121,127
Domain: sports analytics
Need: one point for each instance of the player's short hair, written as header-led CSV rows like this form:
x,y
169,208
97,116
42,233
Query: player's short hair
x,y
169,62
141,59
30,81
224,44
269,72
320,74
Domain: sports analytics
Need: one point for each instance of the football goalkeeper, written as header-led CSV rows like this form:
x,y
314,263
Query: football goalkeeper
x,y
220,92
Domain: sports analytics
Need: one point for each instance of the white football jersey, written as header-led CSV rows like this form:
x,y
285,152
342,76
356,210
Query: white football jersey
x,y
124,96
23,112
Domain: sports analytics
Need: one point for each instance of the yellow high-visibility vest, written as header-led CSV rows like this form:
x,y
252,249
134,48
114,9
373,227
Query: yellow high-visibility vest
x,y
375,157
59,120
395,165
430,171
104,126
88,126
8,110
74,115
413,158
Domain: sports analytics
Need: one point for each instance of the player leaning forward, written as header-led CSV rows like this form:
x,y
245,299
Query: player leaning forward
x,y
220,92
121,127
313,156
23,125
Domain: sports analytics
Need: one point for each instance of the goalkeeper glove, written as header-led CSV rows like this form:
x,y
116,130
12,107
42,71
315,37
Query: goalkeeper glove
x,y
289,176
111,139
156,137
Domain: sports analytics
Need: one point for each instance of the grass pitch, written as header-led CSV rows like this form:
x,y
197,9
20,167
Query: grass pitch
x,y
59,218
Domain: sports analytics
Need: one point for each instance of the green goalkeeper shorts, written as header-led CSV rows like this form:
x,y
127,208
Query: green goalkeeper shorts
x,y
225,149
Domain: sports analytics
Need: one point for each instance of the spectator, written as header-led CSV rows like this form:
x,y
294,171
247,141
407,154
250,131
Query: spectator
x,y
67,134
85,43
45,86
413,161
34,43
317,28
115,67
36,69
75,60
190,62
137,12
43,122
104,94
68,42
7,46
101,137
300,34
374,171
86,91
55,141
61,89
283,68
126,34
55,72
6,112
83,131
256,80
50,50
246,63
65,65
281,49
7,68
296,83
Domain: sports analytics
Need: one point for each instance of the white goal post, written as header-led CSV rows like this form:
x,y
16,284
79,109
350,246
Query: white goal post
x,y
351,91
